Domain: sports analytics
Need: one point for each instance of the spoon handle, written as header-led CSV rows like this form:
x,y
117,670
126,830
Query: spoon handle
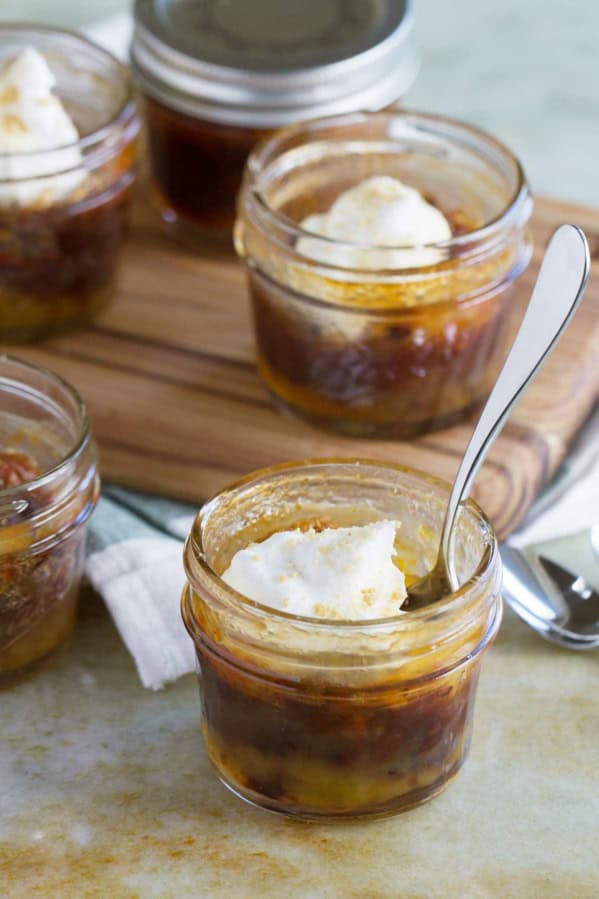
x,y
558,289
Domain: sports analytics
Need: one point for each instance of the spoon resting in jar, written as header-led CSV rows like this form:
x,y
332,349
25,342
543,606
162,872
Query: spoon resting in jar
x,y
558,289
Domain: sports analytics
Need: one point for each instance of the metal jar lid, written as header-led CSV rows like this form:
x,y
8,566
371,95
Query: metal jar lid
x,y
267,63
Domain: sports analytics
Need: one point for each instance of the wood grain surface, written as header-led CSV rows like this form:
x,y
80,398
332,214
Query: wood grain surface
x,y
178,409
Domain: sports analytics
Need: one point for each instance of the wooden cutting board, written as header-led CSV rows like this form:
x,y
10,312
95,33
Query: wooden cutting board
x,y
178,409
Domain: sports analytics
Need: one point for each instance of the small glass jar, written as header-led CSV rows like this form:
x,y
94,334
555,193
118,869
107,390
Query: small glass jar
x,y
63,211
48,489
217,77
415,342
320,718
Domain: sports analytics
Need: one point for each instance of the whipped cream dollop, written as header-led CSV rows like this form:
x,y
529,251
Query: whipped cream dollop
x,y
380,212
33,120
335,573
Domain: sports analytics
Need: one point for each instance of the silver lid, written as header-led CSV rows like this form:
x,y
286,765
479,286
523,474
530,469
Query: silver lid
x,y
267,63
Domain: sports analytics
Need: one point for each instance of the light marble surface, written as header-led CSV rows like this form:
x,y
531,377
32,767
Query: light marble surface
x,y
105,789
107,792
526,70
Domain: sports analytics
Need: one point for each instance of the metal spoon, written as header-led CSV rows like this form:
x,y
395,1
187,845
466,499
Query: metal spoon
x,y
558,289
560,605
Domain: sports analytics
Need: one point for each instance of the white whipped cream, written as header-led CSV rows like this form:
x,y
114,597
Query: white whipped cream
x,y
335,573
380,212
32,120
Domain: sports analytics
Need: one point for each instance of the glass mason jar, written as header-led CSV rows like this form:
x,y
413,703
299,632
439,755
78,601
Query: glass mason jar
x,y
48,489
63,210
320,718
218,77
414,341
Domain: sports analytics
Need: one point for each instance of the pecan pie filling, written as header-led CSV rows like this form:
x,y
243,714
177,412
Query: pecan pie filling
x,y
381,254
38,590
389,359
197,168
58,265
48,489
64,188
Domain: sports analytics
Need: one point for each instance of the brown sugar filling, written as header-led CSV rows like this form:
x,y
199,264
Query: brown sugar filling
x,y
38,590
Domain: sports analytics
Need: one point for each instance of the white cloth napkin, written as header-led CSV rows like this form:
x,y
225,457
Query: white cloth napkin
x,y
135,563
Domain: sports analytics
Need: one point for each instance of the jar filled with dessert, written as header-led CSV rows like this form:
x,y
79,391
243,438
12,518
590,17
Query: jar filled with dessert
x,y
382,250
48,489
320,696
217,77
68,129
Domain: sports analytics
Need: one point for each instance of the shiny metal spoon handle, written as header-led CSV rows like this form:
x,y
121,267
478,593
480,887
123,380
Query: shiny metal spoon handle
x,y
560,284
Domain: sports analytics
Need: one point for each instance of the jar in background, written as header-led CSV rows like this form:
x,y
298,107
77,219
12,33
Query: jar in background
x,y
48,489
58,256
217,77
383,351
320,718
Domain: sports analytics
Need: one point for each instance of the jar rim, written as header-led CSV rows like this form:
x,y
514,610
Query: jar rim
x,y
516,211
452,603
80,442
125,116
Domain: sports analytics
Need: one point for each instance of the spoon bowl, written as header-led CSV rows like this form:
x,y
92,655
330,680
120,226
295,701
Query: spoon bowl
x,y
559,604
